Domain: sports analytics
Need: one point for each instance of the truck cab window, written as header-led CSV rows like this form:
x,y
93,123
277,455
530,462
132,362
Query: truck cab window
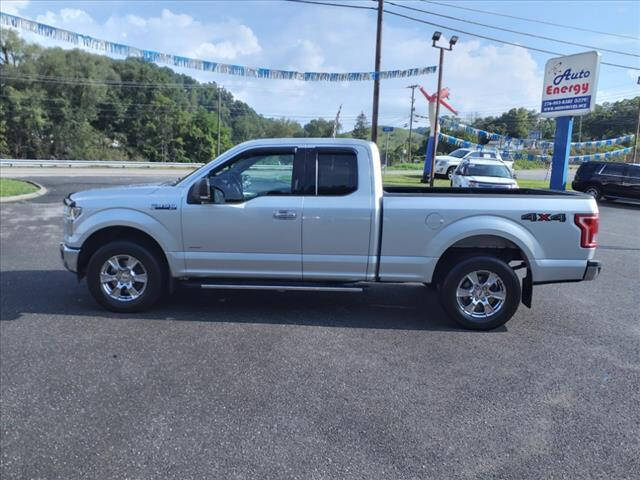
x,y
254,176
337,173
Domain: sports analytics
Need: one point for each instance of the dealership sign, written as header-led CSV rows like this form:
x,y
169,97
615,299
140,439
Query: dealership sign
x,y
570,85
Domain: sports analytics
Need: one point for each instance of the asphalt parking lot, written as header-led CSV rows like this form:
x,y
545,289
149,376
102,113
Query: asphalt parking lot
x,y
261,385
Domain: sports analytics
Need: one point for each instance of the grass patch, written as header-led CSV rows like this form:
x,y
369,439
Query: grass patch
x,y
521,164
407,166
10,187
400,179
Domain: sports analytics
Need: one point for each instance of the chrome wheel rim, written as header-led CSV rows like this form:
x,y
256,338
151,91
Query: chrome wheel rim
x,y
592,191
450,173
123,278
481,294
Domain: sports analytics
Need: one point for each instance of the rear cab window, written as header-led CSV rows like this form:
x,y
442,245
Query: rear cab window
x,y
331,172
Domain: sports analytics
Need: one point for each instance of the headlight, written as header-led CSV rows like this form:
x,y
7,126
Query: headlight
x,y
72,212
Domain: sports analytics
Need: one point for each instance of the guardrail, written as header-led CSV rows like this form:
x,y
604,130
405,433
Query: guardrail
x,y
9,162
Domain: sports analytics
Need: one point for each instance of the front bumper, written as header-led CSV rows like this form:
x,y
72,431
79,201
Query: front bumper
x,y
441,169
69,257
592,270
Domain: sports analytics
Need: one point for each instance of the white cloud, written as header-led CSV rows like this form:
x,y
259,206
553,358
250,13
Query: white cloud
x,y
13,7
67,17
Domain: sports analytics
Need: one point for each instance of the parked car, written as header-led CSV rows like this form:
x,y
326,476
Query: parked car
x,y
307,214
445,165
480,173
609,180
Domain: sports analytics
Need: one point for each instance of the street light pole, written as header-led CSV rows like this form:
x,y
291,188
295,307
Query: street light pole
x,y
436,36
437,122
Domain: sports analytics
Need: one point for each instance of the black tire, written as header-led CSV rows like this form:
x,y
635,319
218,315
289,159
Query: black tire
x,y
155,276
594,191
510,286
450,171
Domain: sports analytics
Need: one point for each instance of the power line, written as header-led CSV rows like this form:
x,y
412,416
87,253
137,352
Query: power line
x,y
492,39
532,20
533,35
497,39
360,7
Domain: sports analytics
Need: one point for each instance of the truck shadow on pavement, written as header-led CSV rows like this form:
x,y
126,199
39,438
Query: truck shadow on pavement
x,y
399,307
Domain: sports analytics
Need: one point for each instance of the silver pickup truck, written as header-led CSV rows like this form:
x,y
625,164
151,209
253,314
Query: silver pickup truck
x,y
312,214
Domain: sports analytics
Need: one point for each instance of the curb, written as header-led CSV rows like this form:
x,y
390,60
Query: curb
x,y
27,196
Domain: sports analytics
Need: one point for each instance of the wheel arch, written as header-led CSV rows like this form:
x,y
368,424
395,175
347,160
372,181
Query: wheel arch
x,y
108,234
477,245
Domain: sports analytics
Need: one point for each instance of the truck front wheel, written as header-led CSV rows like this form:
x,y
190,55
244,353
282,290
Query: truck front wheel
x,y
125,277
481,293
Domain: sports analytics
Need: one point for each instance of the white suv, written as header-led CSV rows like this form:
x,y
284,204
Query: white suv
x,y
446,164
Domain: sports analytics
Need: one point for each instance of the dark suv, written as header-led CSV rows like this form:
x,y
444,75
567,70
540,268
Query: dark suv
x,y
609,180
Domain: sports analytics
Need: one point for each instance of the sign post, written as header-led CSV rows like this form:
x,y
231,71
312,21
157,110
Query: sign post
x,y
569,89
387,130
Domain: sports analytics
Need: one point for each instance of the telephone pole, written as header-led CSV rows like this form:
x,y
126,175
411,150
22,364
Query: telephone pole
x,y
336,121
376,80
635,143
219,108
413,91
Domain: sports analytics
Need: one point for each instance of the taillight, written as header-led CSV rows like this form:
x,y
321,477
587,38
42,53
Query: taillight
x,y
588,224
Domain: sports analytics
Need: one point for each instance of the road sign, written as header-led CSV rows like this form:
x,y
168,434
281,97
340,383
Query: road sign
x,y
570,85
387,129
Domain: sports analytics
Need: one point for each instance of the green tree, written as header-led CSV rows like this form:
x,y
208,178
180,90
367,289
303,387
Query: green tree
x,y
361,129
319,128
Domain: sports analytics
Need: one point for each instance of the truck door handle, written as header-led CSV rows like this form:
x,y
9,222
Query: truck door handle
x,y
284,214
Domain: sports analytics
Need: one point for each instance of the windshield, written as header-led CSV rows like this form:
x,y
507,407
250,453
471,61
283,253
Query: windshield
x,y
458,153
479,170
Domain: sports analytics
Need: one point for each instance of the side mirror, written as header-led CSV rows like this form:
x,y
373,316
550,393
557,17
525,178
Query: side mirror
x,y
199,192
203,190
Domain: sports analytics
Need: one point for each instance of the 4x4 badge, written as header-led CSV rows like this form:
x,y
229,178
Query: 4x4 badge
x,y
164,206
544,217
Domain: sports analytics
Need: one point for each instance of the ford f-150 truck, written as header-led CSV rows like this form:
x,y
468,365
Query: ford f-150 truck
x,y
312,214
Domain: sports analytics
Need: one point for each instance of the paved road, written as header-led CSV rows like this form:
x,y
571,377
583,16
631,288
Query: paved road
x,y
312,386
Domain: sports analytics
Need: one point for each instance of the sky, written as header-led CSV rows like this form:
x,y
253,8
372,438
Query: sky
x,y
484,77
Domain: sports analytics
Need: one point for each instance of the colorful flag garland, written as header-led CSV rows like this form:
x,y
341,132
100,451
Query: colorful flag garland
x,y
453,124
186,62
459,142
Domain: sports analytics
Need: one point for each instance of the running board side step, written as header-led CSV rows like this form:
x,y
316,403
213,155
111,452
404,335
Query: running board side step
x,y
312,288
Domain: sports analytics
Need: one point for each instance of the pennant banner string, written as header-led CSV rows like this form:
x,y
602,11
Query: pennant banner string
x,y
453,124
515,155
207,66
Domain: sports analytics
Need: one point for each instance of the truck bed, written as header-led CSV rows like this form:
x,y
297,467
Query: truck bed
x,y
401,191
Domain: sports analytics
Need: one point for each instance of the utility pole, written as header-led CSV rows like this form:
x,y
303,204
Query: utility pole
x,y
413,91
580,130
635,143
335,122
376,80
219,108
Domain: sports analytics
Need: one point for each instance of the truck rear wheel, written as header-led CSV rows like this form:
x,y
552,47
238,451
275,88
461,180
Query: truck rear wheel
x,y
125,277
481,293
